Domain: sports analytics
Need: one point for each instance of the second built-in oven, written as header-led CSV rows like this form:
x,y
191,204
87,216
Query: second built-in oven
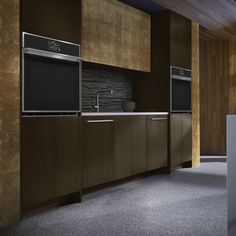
x,y
181,89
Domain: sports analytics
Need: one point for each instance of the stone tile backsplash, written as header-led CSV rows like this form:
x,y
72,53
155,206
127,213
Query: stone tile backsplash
x,y
97,80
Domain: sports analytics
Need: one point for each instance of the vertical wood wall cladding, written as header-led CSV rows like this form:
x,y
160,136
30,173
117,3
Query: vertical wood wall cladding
x,y
232,76
116,34
195,96
214,83
9,113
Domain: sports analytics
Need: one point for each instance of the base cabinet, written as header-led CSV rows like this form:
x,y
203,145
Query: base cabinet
x,y
157,142
68,155
181,139
98,161
138,144
51,158
187,137
122,147
62,155
37,162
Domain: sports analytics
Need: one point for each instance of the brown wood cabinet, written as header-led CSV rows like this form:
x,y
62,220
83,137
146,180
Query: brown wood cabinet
x,y
171,46
181,139
187,137
157,142
180,41
98,159
68,155
122,147
37,161
51,159
176,139
138,144
60,19
113,148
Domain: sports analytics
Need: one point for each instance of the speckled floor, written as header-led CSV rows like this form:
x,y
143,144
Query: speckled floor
x,y
187,203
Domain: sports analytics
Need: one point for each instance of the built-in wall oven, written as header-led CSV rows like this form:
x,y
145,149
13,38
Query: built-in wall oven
x,y
181,89
51,76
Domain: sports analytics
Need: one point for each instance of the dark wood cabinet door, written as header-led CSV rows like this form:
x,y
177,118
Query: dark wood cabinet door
x,y
60,19
98,159
180,40
122,147
187,137
37,161
176,139
138,144
68,155
157,142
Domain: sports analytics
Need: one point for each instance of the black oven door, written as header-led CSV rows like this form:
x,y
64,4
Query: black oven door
x,y
181,95
50,85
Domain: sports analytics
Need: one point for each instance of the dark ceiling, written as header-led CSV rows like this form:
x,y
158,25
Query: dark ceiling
x,y
218,16
145,5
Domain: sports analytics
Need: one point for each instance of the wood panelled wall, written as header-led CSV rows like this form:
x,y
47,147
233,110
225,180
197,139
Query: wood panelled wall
x,y
214,84
9,113
232,76
115,34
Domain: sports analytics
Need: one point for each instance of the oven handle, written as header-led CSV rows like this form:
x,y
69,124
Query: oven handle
x,y
181,78
52,55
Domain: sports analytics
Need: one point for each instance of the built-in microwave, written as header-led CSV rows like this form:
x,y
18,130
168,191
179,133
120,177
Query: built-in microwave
x,y
181,89
51,76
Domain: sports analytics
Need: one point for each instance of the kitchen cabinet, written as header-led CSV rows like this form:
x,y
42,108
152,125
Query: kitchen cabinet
x,y
122,147
171,40
180,41
62,155
68,155
181,139
98,159
176,139
115,34
59,19
51,159
187,137
37,161
157,142
138,144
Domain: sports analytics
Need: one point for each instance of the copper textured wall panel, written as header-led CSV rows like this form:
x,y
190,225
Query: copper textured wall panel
x,y
9,113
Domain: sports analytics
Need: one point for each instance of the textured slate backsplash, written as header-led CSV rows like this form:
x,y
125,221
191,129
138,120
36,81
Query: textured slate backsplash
x,y
97,80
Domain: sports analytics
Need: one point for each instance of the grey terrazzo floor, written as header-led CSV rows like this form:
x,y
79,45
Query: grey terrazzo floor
x,y
187,203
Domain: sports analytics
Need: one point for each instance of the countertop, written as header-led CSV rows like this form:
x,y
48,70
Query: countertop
x,y
123,113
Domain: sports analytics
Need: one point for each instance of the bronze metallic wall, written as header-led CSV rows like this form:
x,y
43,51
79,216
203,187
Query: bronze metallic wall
x,y
9,113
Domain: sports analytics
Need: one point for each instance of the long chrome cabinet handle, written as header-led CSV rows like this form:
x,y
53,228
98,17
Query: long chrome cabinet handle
x,y
100,121
153,119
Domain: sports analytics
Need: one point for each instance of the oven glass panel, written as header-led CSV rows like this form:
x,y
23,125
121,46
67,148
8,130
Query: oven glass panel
x,y
50,84
181,95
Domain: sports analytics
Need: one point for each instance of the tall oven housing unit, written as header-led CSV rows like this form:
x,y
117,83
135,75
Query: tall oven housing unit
x,y
51,76
180,90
